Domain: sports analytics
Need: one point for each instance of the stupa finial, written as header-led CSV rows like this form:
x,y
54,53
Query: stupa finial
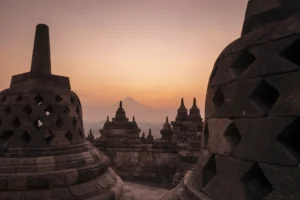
x,y
41,61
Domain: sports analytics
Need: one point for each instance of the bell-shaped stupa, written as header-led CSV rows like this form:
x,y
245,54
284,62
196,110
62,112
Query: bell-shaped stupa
x,y
251,137
44,153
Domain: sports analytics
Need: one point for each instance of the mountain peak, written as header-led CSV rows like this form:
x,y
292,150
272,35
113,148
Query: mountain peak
x,y
129,99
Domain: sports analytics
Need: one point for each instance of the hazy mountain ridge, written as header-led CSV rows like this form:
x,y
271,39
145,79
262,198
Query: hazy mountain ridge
x,y
141,112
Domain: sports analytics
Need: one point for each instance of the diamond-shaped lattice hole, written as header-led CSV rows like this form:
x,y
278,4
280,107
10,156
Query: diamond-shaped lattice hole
x,y
74,121
6,135
18,99
69,136
48,110
38,99
290,137
67,110
59,123
291,53
26,137
205,135
77,111
27,110
264,96
218,98
243,61
7,110
48,136
81,133
16,123
72,99
255,184
58,99
209,170
3,99
38,124
232,136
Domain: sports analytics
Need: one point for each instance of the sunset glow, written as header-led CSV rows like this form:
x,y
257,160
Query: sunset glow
x,y
155,51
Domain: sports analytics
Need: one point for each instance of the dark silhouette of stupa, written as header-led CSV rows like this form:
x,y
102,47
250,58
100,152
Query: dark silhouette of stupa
x,y
251,138
43,150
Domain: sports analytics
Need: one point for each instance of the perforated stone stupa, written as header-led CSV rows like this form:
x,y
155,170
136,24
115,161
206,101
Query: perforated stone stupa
x,y
43,150
251,140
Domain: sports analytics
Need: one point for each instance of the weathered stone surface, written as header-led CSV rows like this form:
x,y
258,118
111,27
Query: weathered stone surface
x,y
44,152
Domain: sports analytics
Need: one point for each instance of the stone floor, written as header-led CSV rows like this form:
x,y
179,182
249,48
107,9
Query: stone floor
x,y
145,191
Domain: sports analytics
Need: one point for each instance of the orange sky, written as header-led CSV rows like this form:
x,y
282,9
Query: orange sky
x,y
155,51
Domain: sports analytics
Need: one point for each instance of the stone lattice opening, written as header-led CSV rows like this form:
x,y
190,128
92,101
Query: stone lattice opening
x,y
69,136
81,133
209,170
74,121
18,99
218,98
264,96
3,99
38,99
205,135
26,137
48,136
48,110
255,184
16,123
72,100
58,99
37,124
291,53
67,110
77,111
59,123
244,60
7,110
290,137
6,135
232,136
27,110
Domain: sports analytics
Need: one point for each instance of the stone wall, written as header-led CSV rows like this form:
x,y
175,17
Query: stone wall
x,y
156,162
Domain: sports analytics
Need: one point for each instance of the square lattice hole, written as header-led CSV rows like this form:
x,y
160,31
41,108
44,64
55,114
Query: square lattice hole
x,y
38,99
59,123
58,99
48,136
27,110
7,110
3,99
6,135
69,136
18,99
48,110
38,124
16,123
26,137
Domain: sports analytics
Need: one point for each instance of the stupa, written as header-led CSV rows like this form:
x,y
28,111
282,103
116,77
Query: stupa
x,y
44,153
250,146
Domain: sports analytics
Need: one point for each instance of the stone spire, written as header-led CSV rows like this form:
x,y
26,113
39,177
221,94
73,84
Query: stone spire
x,y
250,144
41,61
167,131
194,114
182,112
149,138
90,137
143,138
120,114
44,151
